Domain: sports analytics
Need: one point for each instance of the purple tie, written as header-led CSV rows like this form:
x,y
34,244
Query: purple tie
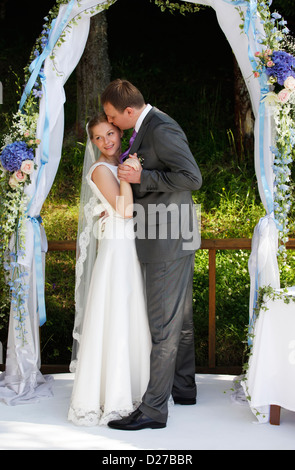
x,y
126,153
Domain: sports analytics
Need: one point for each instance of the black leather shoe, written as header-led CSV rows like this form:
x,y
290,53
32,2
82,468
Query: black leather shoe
x,y
184,401
135,421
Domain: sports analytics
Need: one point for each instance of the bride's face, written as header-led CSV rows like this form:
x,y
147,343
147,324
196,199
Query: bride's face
x,y
107,138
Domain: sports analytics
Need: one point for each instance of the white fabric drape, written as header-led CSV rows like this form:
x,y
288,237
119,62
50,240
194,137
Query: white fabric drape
x,y
263,264
271,378
22,380
265,233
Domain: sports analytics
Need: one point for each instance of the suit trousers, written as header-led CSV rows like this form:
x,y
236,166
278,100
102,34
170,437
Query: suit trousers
x,y
170,313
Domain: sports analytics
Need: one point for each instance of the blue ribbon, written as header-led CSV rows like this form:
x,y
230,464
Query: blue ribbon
x,y
36,221
45,136
35,68
250,17
36,65
249,21
267,192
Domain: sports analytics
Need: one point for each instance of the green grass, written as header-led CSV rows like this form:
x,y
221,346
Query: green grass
x,y
56,334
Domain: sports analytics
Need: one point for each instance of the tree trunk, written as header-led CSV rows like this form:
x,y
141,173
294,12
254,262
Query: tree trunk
x,y
244,120
93,73
3,9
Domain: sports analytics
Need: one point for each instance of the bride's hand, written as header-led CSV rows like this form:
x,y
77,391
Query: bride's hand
x,y
133,162
130,170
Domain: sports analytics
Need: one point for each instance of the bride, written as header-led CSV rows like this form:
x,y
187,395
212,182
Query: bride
x,y
111,335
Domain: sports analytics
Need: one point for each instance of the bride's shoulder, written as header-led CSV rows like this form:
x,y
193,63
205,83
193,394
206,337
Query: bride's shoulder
x,y
102,168
95,165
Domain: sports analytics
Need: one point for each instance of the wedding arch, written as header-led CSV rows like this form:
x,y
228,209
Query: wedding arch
x,y
30,163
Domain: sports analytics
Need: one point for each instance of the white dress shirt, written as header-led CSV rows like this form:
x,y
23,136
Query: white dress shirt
x,y
142,116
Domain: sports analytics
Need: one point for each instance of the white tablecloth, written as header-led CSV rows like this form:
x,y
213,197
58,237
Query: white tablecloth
x,y
270,379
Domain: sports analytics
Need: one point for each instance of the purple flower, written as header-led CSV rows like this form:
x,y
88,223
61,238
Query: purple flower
x,y
14,154
37,93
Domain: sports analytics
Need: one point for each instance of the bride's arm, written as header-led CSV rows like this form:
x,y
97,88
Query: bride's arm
x,y
125,188
125,200
119,196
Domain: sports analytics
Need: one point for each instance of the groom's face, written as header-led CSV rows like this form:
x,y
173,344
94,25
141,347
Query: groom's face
x,y
119,119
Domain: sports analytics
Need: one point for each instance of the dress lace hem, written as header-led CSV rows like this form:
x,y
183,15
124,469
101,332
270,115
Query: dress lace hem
x,y
82,417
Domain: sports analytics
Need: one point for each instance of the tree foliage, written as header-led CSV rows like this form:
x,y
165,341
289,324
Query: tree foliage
x,y
181,7
285,7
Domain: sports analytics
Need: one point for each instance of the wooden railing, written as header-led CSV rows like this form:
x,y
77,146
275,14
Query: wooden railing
x,y
212,245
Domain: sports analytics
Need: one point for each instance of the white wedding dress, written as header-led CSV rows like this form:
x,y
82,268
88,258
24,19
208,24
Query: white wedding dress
x,y
112,370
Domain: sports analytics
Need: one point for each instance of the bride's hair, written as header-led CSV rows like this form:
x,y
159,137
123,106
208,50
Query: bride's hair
x,y
98,119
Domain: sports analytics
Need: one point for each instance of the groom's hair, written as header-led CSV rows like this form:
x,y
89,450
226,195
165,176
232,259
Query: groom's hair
x,y
122,94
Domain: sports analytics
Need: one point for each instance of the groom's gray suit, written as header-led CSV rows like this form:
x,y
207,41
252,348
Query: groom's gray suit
x,y
166,239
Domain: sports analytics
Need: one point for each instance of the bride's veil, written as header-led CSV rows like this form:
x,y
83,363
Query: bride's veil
x,y
87,244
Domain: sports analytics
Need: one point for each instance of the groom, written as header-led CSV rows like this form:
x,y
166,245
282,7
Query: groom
x,y
166,244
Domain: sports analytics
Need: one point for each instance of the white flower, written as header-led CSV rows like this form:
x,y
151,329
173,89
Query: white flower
x,y
27,167
289,83
271,99
13,183
7,140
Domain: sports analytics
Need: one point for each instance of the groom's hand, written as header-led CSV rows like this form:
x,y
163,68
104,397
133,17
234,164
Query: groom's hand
x,y
126,173
130,173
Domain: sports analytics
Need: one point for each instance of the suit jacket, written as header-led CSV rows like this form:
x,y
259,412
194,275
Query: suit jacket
x,y
166,226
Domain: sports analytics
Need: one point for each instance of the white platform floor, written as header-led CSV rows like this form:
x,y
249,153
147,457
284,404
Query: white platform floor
x,y
214,423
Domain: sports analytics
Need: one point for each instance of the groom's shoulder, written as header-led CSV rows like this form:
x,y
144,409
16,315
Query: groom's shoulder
x,y
160,117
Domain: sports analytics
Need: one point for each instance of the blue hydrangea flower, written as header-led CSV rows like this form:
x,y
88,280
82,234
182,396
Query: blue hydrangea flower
x,y
14,154
284,66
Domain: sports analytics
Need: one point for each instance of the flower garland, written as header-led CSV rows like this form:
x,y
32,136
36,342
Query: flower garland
x,y
278,66
18,150
183,7
17,163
